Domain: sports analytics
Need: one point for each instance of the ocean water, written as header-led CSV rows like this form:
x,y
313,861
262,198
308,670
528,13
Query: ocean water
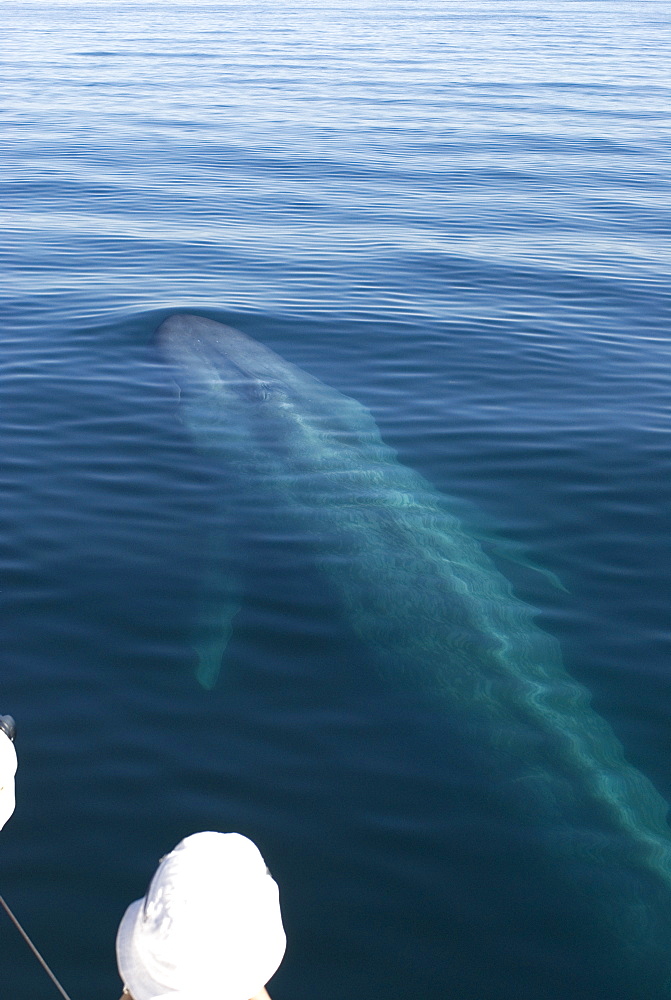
x,y
456,213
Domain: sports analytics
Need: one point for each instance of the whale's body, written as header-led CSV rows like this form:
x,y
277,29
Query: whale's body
x,y
421,592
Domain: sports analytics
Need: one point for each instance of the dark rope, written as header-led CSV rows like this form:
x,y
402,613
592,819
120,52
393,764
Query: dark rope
x,y
33,949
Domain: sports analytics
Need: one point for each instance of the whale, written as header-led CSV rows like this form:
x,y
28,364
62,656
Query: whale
x,y
418,589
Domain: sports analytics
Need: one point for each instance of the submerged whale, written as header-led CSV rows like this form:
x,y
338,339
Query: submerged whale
x,y
421,592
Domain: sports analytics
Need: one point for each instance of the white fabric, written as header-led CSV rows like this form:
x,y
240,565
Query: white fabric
x,y
209,926
8,765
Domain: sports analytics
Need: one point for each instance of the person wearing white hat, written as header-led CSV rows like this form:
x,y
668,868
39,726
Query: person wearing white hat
x,y
8,765
208,928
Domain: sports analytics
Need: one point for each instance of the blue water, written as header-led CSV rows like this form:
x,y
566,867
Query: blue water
x,y
457,213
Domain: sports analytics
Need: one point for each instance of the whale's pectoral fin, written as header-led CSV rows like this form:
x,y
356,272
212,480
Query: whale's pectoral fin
x,y
210,650
501,549
512,552
217,604
519,560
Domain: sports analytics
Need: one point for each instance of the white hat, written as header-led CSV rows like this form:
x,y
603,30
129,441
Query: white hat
x,y
209,927
8,765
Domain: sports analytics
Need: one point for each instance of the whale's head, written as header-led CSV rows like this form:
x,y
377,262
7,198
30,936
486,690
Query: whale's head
x,y
222,375
236,394
202,351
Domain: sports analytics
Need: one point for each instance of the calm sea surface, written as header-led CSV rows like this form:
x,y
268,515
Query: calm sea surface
x,y
457,213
